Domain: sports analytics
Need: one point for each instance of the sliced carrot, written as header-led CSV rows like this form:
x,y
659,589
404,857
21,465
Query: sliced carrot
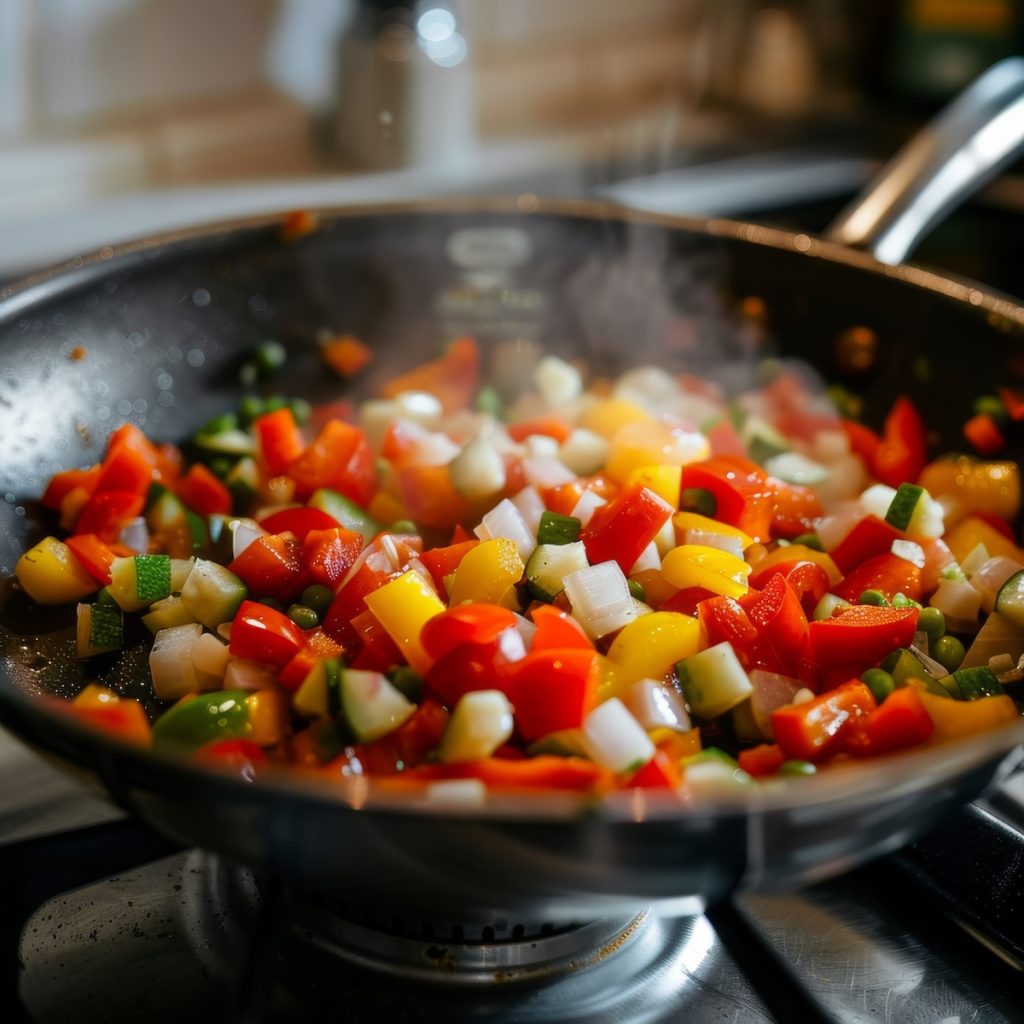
x,y
346,354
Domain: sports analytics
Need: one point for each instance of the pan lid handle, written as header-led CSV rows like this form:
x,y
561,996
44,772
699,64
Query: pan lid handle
x,y
964,147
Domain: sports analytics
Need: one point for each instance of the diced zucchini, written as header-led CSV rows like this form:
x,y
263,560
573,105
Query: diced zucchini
x,y
100,629
909,666
171,611
557,529
347,512
319,696
901,509
763,441
714,681
226,442
975,683
550,564
180,569
372,706
1010,599
480,723
212,593
243,480
139,580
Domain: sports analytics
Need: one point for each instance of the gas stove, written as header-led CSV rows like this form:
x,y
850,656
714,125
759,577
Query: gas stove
x,y
111,922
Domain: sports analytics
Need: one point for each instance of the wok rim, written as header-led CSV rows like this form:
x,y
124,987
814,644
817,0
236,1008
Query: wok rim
x,y
838,785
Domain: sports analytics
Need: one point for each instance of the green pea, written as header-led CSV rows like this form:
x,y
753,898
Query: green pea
x,y
991,406
879,682
219,424
697,499
249,408
809,540
269,357
948,652
403,526
272,602
902,601
302,411
319,598
489,401
303,616
873,597
795,767
932,622
636,590
275,402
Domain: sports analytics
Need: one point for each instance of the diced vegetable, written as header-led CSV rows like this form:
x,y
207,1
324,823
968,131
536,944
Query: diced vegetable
x,y
51,574
714,681
550,564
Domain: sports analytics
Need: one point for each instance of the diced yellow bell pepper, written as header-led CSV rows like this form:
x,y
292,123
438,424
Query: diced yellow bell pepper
x,y
678,745
974,485
607,417
651,443
954,719
51,574
269,718
95,696
386,509
695,565
801,553
486,572
403,606
972,531
683,521
665,481
650,645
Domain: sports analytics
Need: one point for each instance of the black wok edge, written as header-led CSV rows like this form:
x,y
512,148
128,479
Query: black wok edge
x,y
166,322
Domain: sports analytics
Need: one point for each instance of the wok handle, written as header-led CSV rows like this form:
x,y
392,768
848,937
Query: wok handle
x,y
964,147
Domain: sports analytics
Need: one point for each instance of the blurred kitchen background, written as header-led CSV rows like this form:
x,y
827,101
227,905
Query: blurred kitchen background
x,y
123,117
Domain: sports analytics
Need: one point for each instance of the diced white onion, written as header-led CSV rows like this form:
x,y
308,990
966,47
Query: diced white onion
x,y
134,535
830,446
481,722
956,600
531,507
210,655
243,533
456,793
975,559
600,598
427,447
540,446
649,559
419,406
478,471
991,576
588,504
584,452
242,674
527,630
170,662
511,644
711,539
647,386
557,381
505,520
705,780
614,739
847,478
656,706
665,538
547,472
999,663
909,551
795,468
877,499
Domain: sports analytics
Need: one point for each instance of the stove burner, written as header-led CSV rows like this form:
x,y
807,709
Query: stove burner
x,y
225,899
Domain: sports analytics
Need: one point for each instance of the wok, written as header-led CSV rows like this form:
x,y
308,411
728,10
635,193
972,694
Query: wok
x,y
166,322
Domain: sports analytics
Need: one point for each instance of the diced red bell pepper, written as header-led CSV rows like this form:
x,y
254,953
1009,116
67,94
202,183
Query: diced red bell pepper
x,y
763,760
724,619
330,553
441,562
298,521
244,757
619,531
725,439
661,772
863,441
781,624
319,647
454,377
904,449
809,580
469,668
552,689
272,566
265,635
350,600
544,772
686,601
796,509
341,459
67,480
556,628
279,440
888,573
743,495
129,437
1013,399
126,468
95,556
871,536
816,730
105,513
124,719
409,744
548,426
467,624
378,652
861,635
203,492
984,434
900,721
430,498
